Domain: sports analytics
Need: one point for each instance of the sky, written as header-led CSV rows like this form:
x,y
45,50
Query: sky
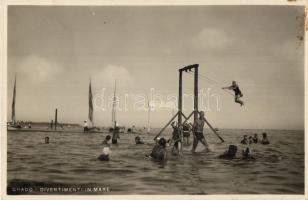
x,y
56,51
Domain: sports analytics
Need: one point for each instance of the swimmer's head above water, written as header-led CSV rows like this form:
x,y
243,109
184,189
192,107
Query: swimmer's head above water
x,y
46,140
108,137
162,142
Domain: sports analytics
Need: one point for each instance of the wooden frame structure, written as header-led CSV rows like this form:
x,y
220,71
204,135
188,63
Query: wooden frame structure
x,y
180,113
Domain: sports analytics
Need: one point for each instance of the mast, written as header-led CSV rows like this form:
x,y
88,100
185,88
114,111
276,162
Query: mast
x,y
114,104
90,115
13,103
149,111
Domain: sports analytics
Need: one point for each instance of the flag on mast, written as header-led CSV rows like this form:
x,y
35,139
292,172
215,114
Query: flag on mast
x,y
13,103
90,103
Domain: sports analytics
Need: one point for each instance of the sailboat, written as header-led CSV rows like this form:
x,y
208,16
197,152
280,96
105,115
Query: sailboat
x,y
113,112
115,129
90,114
13,104
13,125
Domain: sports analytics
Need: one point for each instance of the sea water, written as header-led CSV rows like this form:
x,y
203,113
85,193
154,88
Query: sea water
x,y
70,160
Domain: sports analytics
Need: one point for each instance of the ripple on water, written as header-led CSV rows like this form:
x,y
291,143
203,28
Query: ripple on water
x,y
71,159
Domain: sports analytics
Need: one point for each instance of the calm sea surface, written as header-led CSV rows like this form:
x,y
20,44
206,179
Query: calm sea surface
x,y
70,160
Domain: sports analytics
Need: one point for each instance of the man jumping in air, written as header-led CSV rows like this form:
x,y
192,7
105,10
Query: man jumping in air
x,y
237,92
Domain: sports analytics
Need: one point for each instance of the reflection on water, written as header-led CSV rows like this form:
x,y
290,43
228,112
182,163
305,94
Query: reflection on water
x,y
71,160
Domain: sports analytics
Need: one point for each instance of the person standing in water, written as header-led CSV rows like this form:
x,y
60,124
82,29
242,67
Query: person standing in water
x,y
198,132
116,135
237,92
176,138
85,126
186,132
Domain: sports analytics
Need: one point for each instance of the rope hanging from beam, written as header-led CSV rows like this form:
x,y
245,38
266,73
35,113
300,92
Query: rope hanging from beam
x,y
211,82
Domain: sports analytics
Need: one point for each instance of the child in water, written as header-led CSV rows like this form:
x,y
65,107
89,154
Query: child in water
x,y
237,92
264,139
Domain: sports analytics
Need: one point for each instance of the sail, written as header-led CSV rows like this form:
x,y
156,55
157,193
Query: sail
x,y
90,104
13,103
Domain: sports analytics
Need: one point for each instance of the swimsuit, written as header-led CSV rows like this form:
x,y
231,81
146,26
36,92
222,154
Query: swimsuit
x,y
199,129
237,91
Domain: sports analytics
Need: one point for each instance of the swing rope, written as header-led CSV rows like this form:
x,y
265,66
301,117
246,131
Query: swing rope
x,y
211,82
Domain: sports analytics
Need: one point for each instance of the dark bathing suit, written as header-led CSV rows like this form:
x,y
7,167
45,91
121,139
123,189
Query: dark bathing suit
x,y
199,129
199,135
186,131
158,152
237,91
176,135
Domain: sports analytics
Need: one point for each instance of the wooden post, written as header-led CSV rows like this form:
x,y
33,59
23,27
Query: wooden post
x,y
180,99
180,106
56,118
196,92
